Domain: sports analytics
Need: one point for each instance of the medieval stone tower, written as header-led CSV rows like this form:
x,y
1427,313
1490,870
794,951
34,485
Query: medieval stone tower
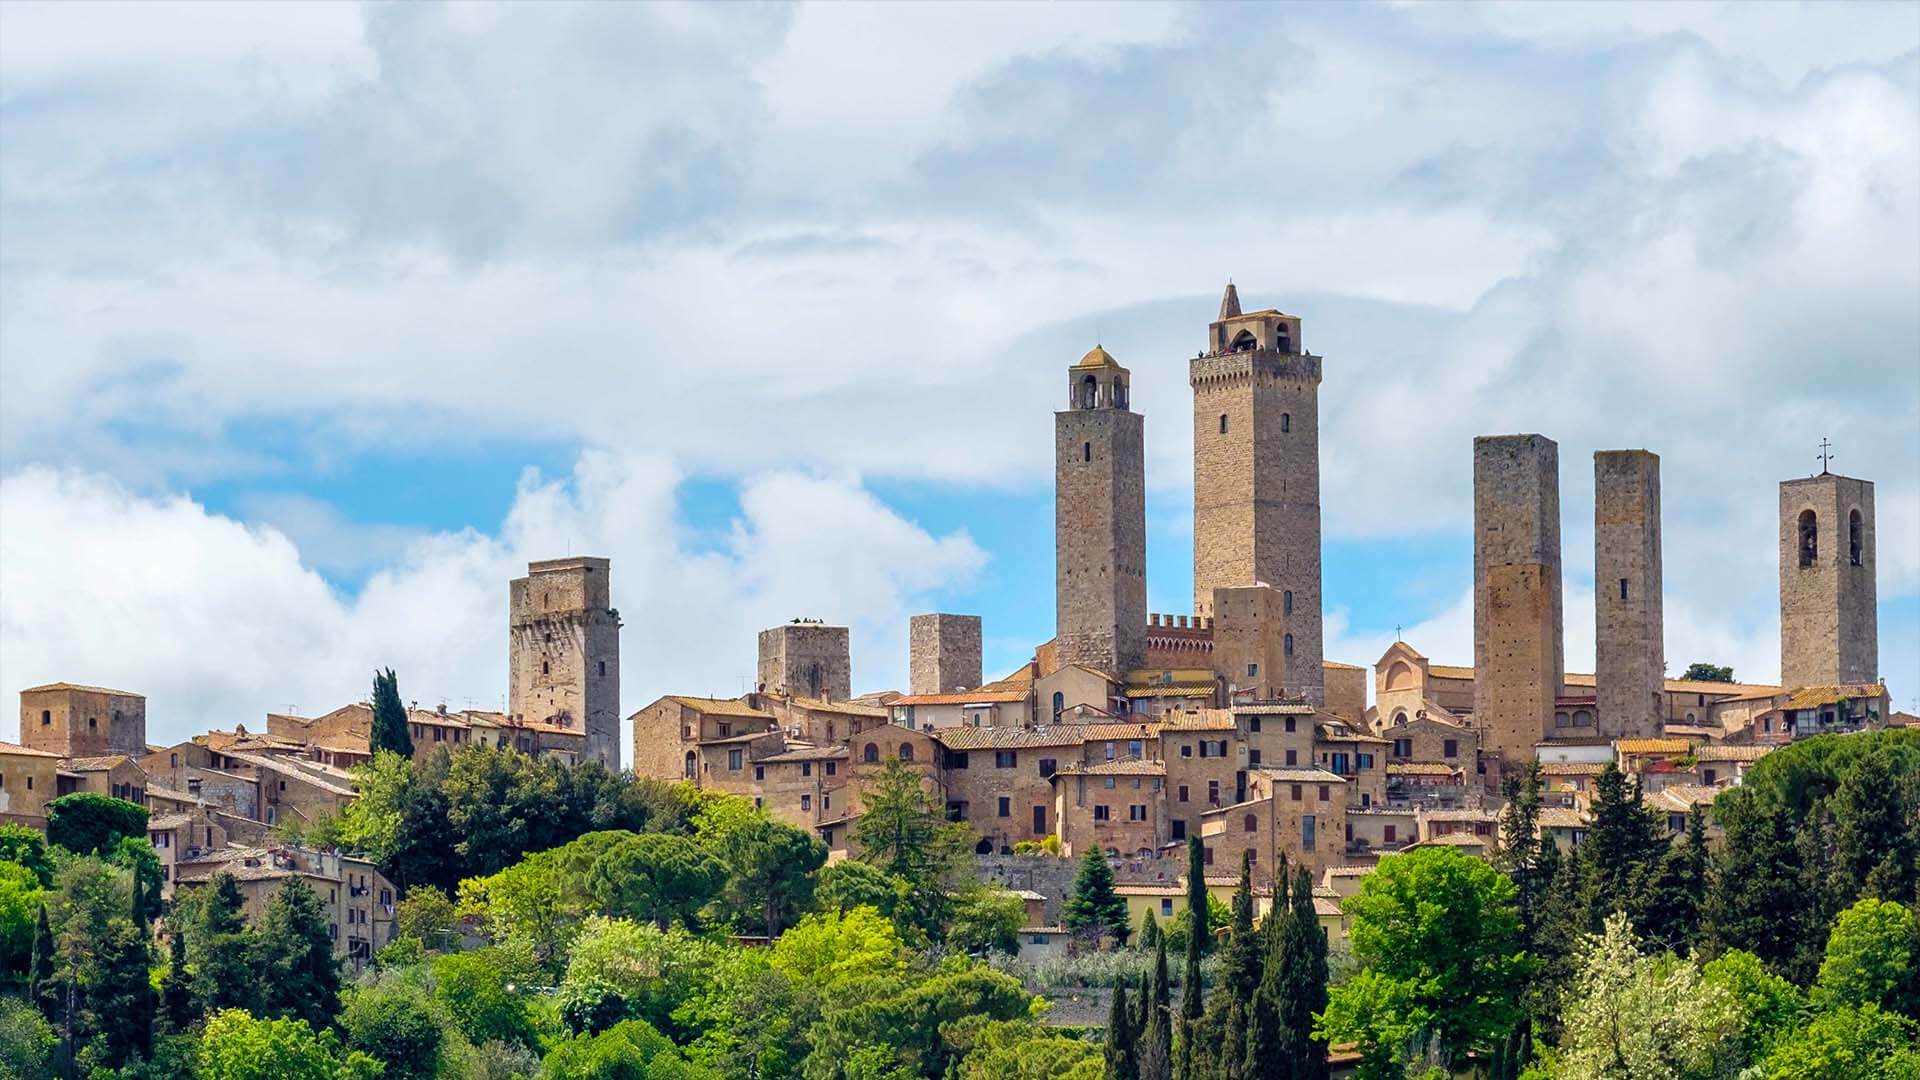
x,y
563,651
806,659
1829,619
1518,650
1256,476
1100,520
1629,630
943,654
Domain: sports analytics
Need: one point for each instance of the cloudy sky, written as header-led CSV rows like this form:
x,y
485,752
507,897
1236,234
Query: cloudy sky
x,y
317,323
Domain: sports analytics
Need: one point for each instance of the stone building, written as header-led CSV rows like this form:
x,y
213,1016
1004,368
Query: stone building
x,y
943,653
28,781
1829,621
1256,476
83,721
700,739
1113,806
115,775
563,651
359,901
806,659
1249,641
1517,624
1629,629
1100,520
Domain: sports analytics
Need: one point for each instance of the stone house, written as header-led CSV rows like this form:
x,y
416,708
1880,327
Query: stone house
x,y
359,900
28,781
1425,783
683,738
116,775
1347,751
83,721
1116,807
1000,780
799,785
182,835
1299,812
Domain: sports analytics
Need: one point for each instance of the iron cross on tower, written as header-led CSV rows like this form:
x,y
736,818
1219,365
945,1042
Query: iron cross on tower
x,y
1826,455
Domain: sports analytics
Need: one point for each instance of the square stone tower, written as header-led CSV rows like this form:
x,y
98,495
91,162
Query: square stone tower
x,y
806,659
563,651
1099,520
83,721
1518,650
1256,475
943,654
1249,640
1629,629
1829,617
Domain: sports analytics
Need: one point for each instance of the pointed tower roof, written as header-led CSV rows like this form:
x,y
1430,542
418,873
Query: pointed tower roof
x,y
1097,357
1230,303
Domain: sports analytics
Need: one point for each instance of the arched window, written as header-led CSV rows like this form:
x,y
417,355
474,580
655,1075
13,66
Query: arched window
x,y
1286,422
1223,423
1089,392
1286,602
1856,538
1119,395
1086,451
1251,824
1809,538
871,755
1244,341
984,847
1288,644
906,751
688,768
1059,705
1286,338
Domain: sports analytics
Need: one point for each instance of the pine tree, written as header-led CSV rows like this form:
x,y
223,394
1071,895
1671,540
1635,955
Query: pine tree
x,y
1149,929
1156,1038
1119,1051
1520,842
1821,894
1754,900
1671,902
1623,845
117,999
301,978
42,990
225,975
176,988
1094,906
1871,832
1199,935
389,717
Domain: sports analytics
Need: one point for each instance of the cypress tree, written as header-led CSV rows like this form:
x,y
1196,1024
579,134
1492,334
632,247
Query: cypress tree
x,y
1240,974
1119,1051
226,977
1303,984
1198,936
1623,845
1672,900
1149,929
1266,1039
176,991
1156,1040
389,717
1874,846
301,977
41,987
1095,906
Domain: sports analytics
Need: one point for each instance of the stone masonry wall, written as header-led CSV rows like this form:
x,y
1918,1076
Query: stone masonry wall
x,y
1518,647
943,653
563,650
807,660
1629,629
1829,618
1100,538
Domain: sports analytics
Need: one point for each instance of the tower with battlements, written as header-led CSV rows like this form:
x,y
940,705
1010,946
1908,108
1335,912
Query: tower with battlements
x,y
1829,617
1100,520
1256,476
563,651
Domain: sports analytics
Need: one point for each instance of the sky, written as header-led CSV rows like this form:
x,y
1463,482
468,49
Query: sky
x,y
317,323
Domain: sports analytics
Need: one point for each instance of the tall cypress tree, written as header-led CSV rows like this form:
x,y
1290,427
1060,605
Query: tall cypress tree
x,y
41,987
1199,935
1623,845
176,988
389,717
1156,1038
1303,984
225,975
1266,1039
1119,1051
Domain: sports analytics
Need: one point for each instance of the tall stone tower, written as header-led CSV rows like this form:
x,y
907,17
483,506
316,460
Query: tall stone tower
x,y
1518,650
1249,640
807,659
1099,520
1829,618
943,654
563,651
1256,476
1629,630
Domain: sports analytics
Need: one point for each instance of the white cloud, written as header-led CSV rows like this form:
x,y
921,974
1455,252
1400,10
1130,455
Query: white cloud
x,y
218,622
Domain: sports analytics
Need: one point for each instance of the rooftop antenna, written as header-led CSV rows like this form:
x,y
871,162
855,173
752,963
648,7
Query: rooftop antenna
x,y
1826,455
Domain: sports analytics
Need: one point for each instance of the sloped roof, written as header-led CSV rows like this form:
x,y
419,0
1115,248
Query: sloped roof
x,y
1201,720
1000,738
1421,768
982,696
844,708
805,753
1724,752
1125,767
719,706
1302,773
81,688
1813,697
1653,746
16,750
1273,708
98,764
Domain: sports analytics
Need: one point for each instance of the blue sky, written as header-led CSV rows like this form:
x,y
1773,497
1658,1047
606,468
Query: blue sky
x,y
318,321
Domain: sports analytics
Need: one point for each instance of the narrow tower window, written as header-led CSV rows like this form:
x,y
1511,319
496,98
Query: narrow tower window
x,y
1288,645
1286,602
1809,538
1623,588
1286,422
1856,538
1086,451
603,669
1223,423
1059,705
1286,342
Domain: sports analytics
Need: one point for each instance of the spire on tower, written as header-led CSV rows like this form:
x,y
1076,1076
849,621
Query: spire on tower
x,y
1230,303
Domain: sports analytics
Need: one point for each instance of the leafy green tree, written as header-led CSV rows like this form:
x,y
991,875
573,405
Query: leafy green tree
x,y
535,905
399,1025
770,867
428,916
116,997
1022,1050
236,1046
1634,1015
1093,906
905,832
27,1041
914,1028
390,732
135,854
1853,1043
1118,1047
87,823
25,846
176,988
21,896
850,883
985,918
1876,836
1703,672
1441,934
632,1049
475,990
222,949
401,819
1869,956
663,879
1772,1005
298,973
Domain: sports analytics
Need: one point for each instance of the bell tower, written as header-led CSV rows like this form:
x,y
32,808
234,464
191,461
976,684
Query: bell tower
x,y
1100,520
1829,618
1256,477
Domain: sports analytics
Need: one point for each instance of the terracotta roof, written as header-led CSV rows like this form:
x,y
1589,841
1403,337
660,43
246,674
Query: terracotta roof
x,y
1152,676
741,738
1461,815
434,718
16,750
1337,665
1203,720
1455,839
1815,696
81,688
1724,752
97,764
1325,908
844,708
1176,690
1121,732
1273,708
167,822
1572,768
1653,746
1449,671
1000,738
718,706
805,753
1300,773
1724,690
982,696
1683,797
1421,768
1125,767
1561,817
1341,731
